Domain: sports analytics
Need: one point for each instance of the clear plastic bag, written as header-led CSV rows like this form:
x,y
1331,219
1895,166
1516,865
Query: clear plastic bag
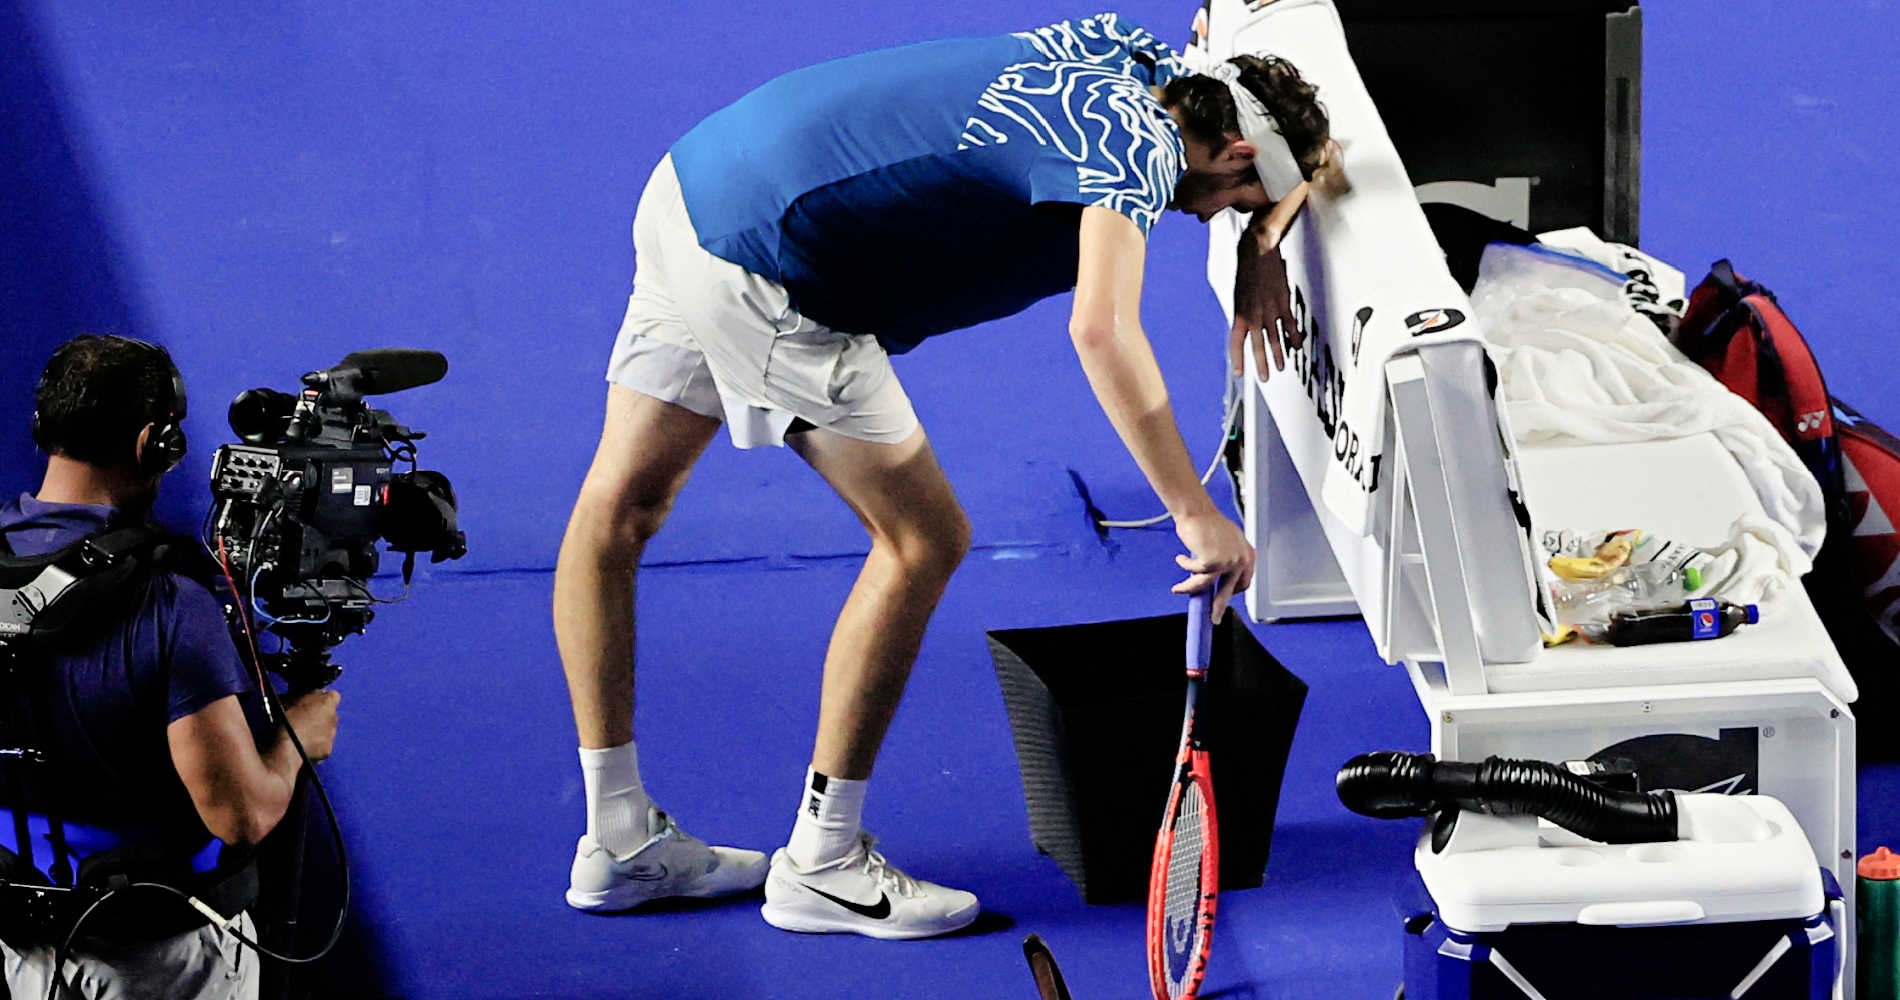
x,y
1631,587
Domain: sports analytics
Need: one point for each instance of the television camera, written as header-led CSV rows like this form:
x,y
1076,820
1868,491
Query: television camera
x,y
299,506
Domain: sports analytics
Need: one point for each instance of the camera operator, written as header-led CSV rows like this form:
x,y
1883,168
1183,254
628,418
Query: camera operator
x,y
157,724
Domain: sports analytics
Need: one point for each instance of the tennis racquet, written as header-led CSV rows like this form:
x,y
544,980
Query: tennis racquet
x,y
1042,965
1185,880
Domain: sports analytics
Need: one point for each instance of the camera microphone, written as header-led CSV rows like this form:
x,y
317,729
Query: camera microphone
x,y
378,372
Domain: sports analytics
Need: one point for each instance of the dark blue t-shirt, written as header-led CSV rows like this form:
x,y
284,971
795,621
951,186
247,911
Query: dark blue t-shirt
x,y
910,191
159,657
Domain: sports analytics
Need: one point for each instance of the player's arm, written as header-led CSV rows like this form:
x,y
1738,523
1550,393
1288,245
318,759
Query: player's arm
x,y
1105,327
240,791
1269,226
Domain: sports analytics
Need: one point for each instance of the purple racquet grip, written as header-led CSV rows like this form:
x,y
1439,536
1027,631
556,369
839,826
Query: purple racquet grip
x,y
1200,632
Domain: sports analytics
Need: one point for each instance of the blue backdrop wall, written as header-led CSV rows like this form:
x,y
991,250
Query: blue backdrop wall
x,y
266,187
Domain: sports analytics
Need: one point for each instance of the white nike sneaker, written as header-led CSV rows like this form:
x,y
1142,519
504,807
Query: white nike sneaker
x,y
671,863
861,893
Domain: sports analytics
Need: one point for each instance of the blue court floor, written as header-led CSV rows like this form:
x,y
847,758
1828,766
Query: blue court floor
x,y
461,796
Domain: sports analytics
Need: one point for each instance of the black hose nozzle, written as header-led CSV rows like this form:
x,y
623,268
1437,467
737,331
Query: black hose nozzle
x,y
1395,785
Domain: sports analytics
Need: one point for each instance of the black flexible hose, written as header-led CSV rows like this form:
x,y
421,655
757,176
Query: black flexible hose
x,y
1393,785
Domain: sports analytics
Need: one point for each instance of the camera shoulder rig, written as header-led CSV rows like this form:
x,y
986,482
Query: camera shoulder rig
x,y
45,601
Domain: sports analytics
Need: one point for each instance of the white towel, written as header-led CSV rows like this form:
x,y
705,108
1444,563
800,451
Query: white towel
x,y
1651,287
1577,364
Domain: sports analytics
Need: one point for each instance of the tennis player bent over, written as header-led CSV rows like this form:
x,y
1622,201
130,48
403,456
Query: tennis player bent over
x,y
788,245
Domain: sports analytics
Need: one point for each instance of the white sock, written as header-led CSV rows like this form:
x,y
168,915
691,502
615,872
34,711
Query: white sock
x,y
616,801
829,817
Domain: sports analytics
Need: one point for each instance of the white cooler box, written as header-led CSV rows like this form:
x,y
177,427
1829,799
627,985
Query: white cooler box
x,y
1513,907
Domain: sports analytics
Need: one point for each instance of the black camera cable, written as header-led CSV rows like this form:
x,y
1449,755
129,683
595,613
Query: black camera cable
x,y
274,710
228,924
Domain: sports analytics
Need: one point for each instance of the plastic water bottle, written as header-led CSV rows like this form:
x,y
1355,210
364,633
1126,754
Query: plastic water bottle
x,y
1703,618
1639,586
1878,904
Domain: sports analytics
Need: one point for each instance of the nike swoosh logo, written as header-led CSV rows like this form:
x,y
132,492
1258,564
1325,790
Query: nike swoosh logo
x,y
878,911
644,874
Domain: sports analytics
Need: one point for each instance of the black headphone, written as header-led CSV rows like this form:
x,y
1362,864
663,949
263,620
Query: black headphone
x,y
165,446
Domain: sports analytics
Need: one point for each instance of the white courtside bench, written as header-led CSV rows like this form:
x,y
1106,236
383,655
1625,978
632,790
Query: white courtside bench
x,y
1433,548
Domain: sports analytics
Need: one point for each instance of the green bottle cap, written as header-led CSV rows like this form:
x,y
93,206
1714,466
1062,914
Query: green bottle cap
x,y
1692,578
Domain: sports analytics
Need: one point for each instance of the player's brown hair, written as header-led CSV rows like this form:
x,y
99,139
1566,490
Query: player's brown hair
x,y
1208,113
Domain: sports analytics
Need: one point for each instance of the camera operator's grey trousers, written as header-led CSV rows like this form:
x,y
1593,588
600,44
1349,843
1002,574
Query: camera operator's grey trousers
x,y
203,964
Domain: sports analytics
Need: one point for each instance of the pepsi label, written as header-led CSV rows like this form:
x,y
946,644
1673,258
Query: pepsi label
x,y
1705,618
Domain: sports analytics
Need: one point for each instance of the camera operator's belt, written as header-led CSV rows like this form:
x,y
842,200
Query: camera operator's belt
x,y
34,910
86,839
106,895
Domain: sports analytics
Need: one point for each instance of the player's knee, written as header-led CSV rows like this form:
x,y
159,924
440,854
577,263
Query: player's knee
x,y
621,524
641,520
958,540
639,514
934,550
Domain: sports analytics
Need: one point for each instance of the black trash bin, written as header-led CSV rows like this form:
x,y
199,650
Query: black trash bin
x,y
1096,713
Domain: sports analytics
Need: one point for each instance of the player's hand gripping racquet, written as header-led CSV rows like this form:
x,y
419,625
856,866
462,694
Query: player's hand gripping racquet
x,y
1186,876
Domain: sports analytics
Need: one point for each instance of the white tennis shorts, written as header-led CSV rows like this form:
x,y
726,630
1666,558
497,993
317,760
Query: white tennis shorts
x,y
708,335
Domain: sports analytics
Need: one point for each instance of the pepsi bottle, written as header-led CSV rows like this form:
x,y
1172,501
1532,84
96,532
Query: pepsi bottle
x,y
1702,618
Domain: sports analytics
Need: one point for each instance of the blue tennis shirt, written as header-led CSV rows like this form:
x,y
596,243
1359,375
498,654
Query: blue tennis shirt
x,y
911,191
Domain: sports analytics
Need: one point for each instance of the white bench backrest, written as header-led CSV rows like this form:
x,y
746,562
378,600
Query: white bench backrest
x,y
1369,282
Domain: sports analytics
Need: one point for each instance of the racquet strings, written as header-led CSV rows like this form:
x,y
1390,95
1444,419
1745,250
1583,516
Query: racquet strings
x,y
1183,892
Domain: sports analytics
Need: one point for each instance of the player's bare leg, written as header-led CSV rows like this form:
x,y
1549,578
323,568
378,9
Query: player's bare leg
x,y
632,852
829,878
919,534
647,448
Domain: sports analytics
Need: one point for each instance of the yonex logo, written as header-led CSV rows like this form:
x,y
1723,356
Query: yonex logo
x,y
1810,421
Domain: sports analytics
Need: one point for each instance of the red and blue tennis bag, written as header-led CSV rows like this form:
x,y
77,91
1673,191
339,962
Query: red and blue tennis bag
x,y
1734,328
1869,549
